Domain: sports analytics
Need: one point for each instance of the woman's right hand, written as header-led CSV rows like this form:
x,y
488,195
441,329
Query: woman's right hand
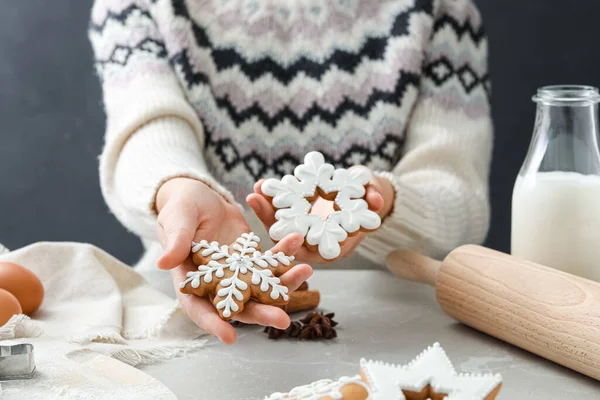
x,y
189,210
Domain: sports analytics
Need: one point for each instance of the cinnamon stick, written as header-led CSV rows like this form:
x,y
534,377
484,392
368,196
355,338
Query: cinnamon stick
x,y
303,300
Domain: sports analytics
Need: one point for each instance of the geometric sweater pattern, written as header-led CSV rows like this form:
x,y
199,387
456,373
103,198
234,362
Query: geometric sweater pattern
x,y
270,81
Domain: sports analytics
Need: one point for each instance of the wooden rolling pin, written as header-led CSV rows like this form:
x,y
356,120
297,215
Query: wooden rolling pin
x,y
550,313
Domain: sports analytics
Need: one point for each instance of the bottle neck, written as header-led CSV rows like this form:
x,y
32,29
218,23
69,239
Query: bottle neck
x,y
565,138
566,122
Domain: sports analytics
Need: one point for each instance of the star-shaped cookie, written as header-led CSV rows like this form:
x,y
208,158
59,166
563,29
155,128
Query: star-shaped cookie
x,y
429,376
234,274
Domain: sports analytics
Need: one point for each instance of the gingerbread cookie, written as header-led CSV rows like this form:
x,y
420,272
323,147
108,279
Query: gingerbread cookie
x,y
234,274
345,388
429,376
293,196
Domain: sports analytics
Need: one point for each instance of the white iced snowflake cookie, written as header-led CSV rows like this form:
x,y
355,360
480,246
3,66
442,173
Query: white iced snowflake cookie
x,y
236,273
293,194
345,388
430,374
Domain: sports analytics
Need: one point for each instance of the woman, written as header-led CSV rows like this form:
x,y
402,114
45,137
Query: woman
x,y
206,97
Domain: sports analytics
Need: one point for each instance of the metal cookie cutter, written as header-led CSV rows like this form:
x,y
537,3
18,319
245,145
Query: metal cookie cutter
x,y
17,362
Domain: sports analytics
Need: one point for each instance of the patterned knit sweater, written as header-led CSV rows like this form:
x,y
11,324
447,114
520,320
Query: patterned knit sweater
x,y
231,91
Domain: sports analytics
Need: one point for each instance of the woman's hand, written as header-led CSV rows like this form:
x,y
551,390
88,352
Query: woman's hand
x,y
189,210
380,198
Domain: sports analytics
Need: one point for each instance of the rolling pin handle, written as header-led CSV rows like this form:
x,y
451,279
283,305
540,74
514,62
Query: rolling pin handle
x,y
413,266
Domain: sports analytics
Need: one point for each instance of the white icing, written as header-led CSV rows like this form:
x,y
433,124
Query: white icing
x,y
293,215
354,214
327,236
315,171
289,190
293,219
319,389
243,259
431,367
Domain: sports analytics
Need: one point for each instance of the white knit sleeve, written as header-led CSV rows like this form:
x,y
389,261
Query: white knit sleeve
x,y
441,181
152,133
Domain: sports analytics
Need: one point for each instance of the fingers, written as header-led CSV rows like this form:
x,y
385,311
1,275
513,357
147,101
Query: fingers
x,y
200,310
263,209
261,314
374,195
204,314
374,198
289,245
351,245
293,278
257,187
177,223
256,313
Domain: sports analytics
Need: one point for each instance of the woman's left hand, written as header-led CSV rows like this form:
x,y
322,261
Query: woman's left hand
x,y
380,198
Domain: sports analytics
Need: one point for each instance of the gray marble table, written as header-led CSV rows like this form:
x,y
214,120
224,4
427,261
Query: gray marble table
x,y
380,317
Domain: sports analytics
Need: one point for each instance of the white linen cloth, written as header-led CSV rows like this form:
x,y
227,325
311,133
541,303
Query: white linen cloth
x,y
95,302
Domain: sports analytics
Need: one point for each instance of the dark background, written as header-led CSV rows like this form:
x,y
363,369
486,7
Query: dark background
x,y
52,123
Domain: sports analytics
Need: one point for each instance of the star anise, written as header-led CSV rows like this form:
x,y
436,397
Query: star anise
x,y
293,331
314,326
319,319
316,331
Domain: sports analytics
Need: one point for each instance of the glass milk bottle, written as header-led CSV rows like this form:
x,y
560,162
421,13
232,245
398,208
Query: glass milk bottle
x,y
556,197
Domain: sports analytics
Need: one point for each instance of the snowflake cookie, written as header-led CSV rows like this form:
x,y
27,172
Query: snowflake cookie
x,y
429,376
293,196
234,274
345,388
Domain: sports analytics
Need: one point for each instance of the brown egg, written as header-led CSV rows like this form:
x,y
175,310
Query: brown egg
x,y
23,284
9,306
